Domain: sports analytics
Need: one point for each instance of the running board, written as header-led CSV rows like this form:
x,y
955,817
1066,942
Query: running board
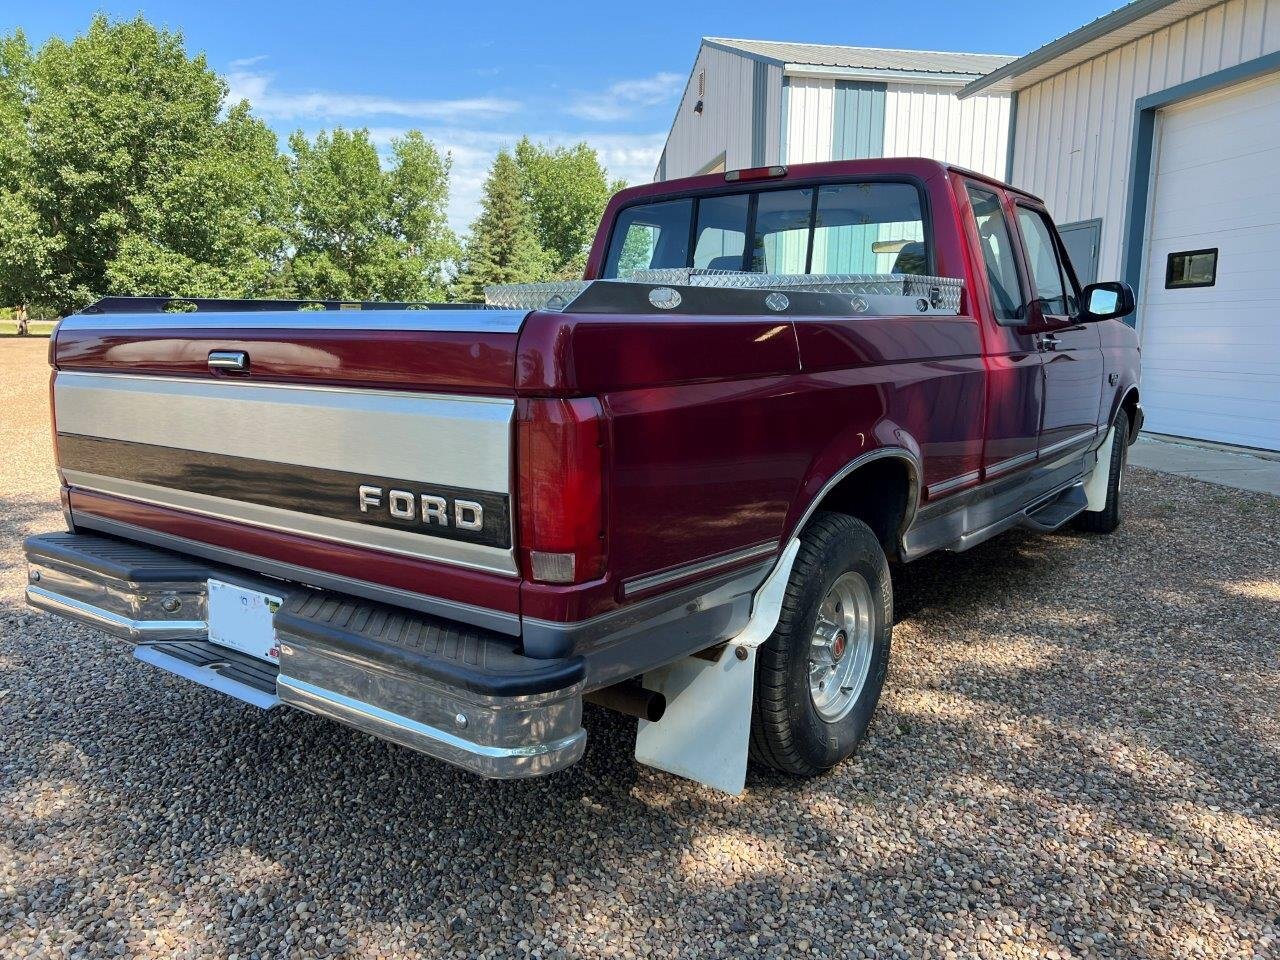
x,y
1055,513
1044,516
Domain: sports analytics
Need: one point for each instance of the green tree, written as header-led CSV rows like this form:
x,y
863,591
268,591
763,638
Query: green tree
x,y
503,246
128,174
215,226
566,189
365,233
17,218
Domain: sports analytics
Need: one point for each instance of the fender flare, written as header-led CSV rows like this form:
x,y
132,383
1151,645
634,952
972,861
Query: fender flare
x,y
915,479
1121,397
766,604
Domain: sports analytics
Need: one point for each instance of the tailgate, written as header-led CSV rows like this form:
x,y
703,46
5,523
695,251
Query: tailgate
x,y
388,430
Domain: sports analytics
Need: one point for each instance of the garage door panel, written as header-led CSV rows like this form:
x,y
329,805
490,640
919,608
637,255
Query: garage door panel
x,y
1181,388
1221,428
1211,355
1194,139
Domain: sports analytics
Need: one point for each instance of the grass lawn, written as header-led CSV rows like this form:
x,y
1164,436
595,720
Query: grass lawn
x,y
35,328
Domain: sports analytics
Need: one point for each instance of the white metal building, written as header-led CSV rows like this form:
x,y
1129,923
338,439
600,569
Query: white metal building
x,y
751,103
1154,134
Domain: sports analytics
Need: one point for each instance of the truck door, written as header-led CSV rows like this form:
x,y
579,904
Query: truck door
x,y
1071,351
1015,385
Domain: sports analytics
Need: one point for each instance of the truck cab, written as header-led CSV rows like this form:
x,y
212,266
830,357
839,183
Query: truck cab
x,y
675,488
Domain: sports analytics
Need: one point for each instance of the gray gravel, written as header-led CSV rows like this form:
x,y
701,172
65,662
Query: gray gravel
x,y
1077,755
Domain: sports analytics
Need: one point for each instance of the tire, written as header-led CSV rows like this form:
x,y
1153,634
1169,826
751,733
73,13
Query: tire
x,y
1107,519
796,729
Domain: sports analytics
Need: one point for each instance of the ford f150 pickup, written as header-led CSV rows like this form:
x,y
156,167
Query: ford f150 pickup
x,y
675,488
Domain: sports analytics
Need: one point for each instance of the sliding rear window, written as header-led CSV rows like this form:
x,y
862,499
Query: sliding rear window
x,y
864,227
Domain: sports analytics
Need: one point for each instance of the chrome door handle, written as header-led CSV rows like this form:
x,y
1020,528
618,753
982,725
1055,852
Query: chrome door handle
x,y
233,360
1047,341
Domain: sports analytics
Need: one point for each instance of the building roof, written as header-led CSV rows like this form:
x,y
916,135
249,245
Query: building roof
x,y
1115,29
864,59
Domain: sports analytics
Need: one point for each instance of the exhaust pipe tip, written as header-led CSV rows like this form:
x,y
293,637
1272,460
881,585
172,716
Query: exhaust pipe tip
x,y
630,699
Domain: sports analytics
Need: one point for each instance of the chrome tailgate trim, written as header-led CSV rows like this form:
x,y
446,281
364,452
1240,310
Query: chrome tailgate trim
x,y
294,458
469,320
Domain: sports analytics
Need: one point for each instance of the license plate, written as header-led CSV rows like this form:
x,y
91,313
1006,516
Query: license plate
x,y
242,620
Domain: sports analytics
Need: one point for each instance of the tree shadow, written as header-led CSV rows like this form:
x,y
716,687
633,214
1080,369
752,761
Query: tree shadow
x,y
1052,755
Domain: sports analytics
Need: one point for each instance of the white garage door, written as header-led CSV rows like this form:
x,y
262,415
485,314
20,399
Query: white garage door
x,y
1211,354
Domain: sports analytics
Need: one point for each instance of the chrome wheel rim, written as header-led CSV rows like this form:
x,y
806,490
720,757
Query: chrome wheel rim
x,y
840,651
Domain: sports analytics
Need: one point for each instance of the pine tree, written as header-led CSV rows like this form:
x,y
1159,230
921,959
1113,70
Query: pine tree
x,y
503,246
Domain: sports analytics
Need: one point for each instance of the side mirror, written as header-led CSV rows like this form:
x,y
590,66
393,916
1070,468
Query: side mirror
x,y
1107,301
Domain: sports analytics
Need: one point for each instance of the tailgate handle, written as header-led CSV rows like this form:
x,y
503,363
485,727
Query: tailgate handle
x,y
236,361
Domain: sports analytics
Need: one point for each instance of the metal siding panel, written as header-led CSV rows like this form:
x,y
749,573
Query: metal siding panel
x,y
759,94
1100,95
773,115
810,119
875,124
858,120
928,120
784,110
725,125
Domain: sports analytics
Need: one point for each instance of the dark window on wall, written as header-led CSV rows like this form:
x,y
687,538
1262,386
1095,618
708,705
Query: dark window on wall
x,y
1191,268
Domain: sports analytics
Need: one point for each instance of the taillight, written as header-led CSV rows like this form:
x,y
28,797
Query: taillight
x,y
560,455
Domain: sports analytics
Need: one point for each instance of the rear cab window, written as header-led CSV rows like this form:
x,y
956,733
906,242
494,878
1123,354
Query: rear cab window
x,y
872,227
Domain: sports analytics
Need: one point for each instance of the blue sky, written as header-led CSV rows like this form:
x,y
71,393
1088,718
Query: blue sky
x,y
474,76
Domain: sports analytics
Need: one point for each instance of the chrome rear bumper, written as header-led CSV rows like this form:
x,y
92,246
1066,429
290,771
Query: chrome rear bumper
x,y
453,692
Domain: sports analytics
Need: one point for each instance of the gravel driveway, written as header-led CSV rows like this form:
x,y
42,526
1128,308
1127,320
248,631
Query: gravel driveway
x,y
1078,754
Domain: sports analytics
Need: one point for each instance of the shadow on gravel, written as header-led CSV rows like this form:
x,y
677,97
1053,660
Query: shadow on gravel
x,y
1057,750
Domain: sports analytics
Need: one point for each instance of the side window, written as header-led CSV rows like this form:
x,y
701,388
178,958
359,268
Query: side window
x,y
997,253
1042,258
649,236
722,232
782,231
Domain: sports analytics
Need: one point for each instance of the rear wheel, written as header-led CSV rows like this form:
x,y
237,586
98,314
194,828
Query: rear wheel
x,y
1107,519
819,676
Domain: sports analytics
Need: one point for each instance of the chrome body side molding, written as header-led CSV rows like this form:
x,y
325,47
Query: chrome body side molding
x,y
697,568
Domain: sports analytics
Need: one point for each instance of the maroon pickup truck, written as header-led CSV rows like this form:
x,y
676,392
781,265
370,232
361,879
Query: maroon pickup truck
x,y
675,488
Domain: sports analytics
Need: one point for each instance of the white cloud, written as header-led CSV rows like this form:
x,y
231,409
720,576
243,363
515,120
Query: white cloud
x,y
457,126
626,97
631,157
272,104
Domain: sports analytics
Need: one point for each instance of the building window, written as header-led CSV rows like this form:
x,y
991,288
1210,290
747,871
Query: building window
x,y
1191,268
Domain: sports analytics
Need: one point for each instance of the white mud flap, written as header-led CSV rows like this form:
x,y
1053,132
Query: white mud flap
x,y
704,733
1095,488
